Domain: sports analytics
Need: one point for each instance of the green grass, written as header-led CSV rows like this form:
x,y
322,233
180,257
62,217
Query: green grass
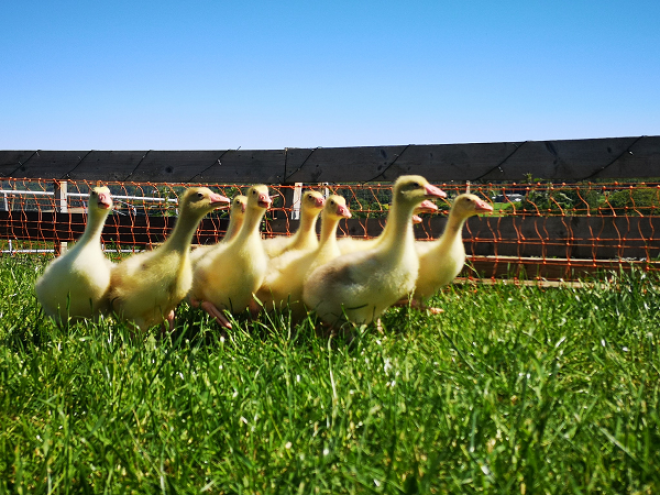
x,y
511,390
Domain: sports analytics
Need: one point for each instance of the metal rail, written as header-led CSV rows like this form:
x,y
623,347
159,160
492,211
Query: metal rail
x,y
7,193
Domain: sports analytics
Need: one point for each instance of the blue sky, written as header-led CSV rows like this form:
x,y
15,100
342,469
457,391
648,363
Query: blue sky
x,y
199,74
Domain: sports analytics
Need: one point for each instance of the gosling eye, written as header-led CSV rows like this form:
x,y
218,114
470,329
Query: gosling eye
x,y
416,184
200,195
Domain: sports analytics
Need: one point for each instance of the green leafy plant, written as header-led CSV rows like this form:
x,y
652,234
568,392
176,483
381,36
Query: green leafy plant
x,y
635,201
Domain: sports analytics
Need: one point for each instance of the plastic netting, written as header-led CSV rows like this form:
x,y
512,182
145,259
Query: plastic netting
x,y
538,229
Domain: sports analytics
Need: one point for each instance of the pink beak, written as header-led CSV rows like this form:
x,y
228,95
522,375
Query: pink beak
x,y
218,199
428,206
264,200
243,207
105,201
416,219
483,206
320,202
435,192
344,211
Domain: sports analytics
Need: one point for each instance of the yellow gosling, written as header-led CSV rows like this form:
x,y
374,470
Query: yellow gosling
x,y
73,285
146,287
229,275
360,286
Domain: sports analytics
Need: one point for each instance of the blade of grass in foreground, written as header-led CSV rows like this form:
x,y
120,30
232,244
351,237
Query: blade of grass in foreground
x,y
512,389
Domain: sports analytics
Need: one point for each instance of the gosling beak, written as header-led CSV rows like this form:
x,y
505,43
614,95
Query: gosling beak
x,y
320,202
343,211
264,200
483,207
434,192
105,201
243,206
427,207
416,219
218,200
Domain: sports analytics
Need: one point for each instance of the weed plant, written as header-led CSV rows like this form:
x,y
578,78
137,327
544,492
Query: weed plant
x,y
511,390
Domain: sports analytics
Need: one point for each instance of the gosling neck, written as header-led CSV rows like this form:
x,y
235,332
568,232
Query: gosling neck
x,y
233,228
455,222
328,231
454,228
95,223
399,234
183,232
307,226
251,224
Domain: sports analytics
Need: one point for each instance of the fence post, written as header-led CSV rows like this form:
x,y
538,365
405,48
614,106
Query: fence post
x,y
297,199
292,197
6,205
61,206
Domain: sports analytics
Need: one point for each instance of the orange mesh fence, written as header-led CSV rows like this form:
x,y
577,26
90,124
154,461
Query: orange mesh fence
x,y
537,230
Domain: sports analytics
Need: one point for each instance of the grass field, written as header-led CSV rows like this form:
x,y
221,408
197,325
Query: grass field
x,y
511,390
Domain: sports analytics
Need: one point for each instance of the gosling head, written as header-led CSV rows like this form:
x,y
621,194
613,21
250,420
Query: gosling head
x,y
414,189
312,201
100,200
426,206
199,201
335,207
238,205
258,197
469,205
